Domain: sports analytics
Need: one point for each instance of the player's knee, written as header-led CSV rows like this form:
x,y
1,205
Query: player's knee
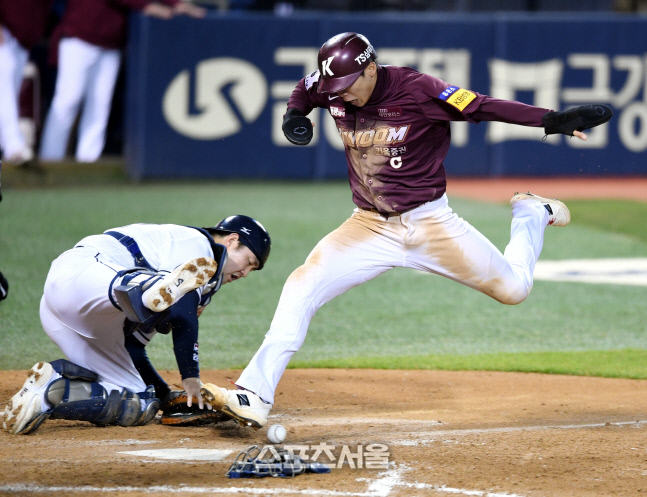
x,y
514,297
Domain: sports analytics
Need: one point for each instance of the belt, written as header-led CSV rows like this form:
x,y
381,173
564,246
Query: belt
x,y
383,214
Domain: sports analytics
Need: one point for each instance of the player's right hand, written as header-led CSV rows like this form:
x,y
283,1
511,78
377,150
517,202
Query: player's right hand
x,y
297,128
192,388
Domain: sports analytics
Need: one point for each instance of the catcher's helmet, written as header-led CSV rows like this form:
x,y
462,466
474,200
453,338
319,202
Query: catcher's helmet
x,y
341,61
252,234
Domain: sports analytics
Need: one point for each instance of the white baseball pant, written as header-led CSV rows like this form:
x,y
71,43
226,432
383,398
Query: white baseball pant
x,y
13,58
77,315
429,238
86,75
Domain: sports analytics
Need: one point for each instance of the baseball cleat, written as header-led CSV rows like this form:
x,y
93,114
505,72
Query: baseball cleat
x,y
23,414
185,278
558,213
245,407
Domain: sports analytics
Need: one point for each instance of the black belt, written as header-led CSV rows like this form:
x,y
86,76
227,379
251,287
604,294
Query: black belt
x,y
132,247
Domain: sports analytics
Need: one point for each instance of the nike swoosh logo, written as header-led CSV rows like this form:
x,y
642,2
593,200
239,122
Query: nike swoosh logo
x,y
331,98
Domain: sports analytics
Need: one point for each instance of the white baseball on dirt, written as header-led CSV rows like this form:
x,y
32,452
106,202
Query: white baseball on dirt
x,y
276,434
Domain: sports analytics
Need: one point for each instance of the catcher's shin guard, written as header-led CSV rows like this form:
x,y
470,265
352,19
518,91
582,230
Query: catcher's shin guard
x,y
142,293
165,292
128,293
73,393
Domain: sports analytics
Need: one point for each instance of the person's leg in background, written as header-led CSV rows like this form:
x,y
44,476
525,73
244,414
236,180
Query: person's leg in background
x,y
102,77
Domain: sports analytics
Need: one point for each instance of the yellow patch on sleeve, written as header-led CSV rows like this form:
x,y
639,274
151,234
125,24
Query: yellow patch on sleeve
x,y
461,98
458,97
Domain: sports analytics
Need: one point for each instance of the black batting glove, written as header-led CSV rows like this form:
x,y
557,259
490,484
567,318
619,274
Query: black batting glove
x,y
577,118
297,128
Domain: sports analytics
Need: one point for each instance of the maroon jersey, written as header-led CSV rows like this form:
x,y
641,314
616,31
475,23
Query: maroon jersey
x,y
396,144
101,22
26,19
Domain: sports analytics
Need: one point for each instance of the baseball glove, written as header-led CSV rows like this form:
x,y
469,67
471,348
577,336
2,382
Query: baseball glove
x,y
175,412
297,128
577,118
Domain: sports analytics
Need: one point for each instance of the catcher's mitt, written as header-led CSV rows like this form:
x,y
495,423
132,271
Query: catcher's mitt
x,y
175,412
577,118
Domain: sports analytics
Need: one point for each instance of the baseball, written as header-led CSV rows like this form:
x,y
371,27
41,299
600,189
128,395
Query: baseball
x,y
276,434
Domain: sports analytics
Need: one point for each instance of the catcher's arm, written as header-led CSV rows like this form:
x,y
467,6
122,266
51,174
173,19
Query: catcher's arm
x,y
572,122
137,352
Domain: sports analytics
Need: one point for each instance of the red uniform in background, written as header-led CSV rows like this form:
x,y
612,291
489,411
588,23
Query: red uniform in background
x,y
92,34
22,25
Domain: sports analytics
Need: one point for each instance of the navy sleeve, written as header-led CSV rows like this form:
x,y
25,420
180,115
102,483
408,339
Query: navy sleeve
x,y
137,352
183,319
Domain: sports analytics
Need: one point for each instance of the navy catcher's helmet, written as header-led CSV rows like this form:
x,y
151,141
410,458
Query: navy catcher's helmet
x,y
252,234
341,61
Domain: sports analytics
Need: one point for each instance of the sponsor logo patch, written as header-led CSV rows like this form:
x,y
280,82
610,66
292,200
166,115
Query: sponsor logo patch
x,y
337,111
389,111
458,97
311,79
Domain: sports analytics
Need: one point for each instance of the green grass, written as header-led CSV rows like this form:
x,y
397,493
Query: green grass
x,y
628,363
614,216
390,320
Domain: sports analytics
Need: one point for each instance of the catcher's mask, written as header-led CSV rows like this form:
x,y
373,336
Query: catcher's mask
x,y
252,234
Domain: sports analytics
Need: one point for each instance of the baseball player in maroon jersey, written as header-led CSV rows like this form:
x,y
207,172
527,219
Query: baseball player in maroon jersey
x,y
22,25
394,122
92,34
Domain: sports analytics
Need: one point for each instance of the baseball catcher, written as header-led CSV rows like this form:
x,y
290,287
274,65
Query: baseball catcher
x,y
134,281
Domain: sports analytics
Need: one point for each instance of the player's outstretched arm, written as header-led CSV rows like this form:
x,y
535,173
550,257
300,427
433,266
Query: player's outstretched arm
x,y
572,122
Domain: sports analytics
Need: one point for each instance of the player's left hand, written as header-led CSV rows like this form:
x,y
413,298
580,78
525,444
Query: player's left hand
x,y
192,388
572,122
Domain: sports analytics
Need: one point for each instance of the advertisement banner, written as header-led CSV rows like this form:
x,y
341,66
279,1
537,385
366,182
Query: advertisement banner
x,y
206,97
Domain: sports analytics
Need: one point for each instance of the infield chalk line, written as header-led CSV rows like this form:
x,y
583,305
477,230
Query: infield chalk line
x,y
378,488
477,431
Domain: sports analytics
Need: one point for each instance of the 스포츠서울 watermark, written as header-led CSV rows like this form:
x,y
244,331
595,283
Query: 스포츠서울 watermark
x,y
369,456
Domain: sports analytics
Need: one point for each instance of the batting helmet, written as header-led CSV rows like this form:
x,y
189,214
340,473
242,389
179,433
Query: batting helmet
x,y
252,234
341,61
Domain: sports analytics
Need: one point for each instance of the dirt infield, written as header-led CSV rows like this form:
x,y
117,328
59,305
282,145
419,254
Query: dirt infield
x,y
501,189
447,433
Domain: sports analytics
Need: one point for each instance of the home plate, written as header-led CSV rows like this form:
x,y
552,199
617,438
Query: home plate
x,y
182,454
629,271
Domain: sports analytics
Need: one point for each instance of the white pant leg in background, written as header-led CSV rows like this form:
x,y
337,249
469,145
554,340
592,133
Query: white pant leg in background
x,y
86,74
430,238
440,242
78,316
97,105
13,58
